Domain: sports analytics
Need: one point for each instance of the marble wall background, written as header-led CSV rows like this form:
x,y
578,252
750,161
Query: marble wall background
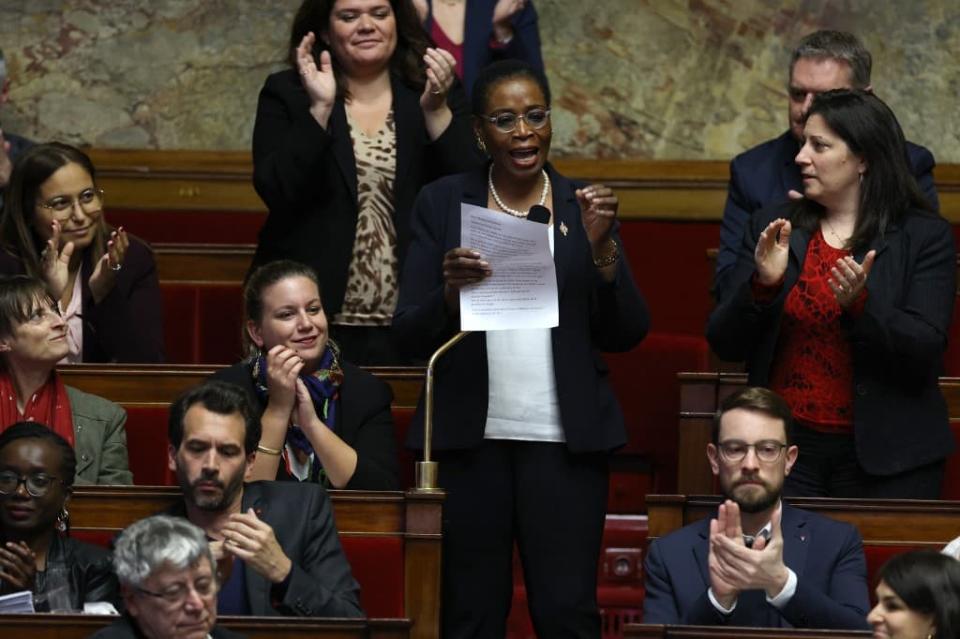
x,y
660,79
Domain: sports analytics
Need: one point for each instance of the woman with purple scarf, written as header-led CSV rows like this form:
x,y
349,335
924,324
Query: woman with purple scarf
x,y
324,419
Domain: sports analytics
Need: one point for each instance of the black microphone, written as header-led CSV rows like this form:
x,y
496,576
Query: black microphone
x,y
539,214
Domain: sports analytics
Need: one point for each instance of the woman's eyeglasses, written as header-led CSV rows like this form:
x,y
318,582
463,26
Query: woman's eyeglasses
x,y
90,200
507,122
37,484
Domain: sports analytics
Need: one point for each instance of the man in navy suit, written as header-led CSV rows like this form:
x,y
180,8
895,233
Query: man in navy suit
x,y
767,173
760,562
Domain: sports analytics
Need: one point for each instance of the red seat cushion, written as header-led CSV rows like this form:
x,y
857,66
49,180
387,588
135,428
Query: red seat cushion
x,y
147,445
202,322
377,564
645,381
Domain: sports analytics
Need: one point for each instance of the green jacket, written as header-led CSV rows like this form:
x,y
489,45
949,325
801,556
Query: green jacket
x,y
99,439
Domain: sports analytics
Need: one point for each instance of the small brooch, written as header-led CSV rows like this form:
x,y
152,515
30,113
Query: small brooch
x,y
563,229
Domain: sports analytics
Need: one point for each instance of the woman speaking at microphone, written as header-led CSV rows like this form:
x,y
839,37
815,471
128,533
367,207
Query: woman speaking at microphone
x,y
525,419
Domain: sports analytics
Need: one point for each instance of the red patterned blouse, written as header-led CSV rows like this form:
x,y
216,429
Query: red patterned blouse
x,y
813,368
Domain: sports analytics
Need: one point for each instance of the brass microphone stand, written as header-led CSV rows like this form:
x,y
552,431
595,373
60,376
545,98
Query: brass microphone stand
x,y
426,470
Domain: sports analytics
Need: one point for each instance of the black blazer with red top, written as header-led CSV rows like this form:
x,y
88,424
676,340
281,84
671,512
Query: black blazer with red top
x,y
898,341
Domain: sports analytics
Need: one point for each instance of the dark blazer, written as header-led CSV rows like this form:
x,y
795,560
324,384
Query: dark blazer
x,y
127,325
826,555
898,341
307,176
320,583
593,316
87,570
126,628
364,421
762,176
478,30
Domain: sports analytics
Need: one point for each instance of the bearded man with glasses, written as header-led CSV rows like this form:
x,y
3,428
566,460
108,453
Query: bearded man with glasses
x,y
759,562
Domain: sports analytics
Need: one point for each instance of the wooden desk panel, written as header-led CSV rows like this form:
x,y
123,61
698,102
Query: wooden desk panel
x,y
641,631
47,626
881,522
203,263
160,384
700,397
218,181
413,516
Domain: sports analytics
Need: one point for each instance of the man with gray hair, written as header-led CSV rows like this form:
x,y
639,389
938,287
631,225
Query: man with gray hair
x,y
168,581
767,173
11,146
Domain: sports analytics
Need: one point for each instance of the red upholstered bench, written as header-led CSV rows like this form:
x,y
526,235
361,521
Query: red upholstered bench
x,y
377,562
147,445
619,583
377,565
201,322
645,382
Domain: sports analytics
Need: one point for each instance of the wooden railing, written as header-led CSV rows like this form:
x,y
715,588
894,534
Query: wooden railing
x,y
221,181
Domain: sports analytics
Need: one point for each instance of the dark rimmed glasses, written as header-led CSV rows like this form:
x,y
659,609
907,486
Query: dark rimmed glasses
x,y
37,484
767,450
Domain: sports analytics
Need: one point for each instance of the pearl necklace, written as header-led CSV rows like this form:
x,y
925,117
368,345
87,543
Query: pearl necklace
x,y
515,212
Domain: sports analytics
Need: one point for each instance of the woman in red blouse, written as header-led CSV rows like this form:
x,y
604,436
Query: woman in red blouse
x,y
843,304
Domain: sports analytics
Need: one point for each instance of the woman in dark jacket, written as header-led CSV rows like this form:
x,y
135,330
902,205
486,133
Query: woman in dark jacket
x,y
842,305
343,141
525,419
105,281
323,419
36,481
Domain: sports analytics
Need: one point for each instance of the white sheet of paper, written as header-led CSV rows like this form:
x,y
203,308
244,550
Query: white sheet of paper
x,y
522,292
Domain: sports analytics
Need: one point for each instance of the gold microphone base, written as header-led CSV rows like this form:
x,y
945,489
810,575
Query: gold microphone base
x,y
426,476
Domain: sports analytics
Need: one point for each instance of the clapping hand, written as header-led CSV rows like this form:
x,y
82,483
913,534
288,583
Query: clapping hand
x,y
503,13
727,524
319,82
283,368
422,9
848,279
742,568
18,566
307,417
55,262
441,71
772,251
105,271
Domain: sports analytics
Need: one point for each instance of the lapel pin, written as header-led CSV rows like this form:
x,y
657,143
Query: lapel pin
x,y
563,229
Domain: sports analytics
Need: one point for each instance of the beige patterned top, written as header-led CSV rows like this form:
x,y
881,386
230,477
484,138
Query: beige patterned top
x,y
372,280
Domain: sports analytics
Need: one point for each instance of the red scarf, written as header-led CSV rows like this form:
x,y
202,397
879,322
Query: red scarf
x,y
50,406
